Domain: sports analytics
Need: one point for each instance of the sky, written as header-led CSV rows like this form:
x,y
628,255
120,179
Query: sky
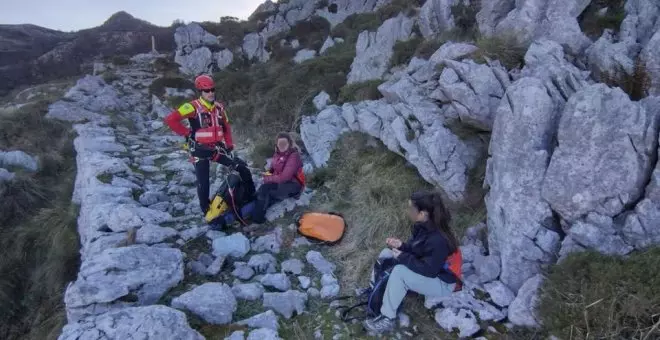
x,y
73,15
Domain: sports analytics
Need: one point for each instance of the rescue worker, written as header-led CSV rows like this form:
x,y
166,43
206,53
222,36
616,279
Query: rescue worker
x,y
209,138
284,179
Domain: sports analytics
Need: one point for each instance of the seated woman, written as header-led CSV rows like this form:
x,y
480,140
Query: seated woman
x,y
419,262
283,180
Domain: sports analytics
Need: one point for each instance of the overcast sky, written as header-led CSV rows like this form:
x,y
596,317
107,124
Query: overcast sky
x,y
68,15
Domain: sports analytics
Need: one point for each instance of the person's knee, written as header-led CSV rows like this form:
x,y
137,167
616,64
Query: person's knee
x,y
386,253
399,272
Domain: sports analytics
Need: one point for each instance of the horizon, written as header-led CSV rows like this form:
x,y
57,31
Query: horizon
x,y
65,15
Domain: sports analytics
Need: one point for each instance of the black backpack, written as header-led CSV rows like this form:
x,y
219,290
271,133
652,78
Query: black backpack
x,y
372,297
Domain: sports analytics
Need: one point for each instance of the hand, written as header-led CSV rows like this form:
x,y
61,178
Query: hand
x,y
394,243
396,253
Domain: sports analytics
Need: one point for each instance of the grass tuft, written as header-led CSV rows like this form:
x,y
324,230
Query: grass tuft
x,y
366,90
595,296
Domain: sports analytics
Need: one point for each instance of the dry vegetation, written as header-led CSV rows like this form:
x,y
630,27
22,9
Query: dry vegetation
x,y
38,238
594,296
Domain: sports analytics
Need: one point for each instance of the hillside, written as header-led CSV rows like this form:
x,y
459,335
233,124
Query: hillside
x,y
30,54
539,121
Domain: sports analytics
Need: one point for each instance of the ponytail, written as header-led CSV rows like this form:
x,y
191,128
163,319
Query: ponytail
x,y
439,216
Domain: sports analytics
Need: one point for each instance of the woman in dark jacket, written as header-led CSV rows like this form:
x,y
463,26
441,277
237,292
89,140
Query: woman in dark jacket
x,y
283,180
420,260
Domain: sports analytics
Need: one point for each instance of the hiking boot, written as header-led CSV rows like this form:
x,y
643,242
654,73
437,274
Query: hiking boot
x,y
379,324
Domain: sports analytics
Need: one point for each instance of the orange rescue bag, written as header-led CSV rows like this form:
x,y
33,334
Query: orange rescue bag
x,y
325,227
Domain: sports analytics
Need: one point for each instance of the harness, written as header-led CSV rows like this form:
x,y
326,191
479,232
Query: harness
x,y
210,131
209,135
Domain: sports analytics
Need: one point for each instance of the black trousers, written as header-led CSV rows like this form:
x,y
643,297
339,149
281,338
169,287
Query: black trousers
x,y
271,193
202,168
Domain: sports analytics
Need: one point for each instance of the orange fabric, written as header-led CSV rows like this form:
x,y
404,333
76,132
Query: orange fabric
x,y
320,226
455,264
300,176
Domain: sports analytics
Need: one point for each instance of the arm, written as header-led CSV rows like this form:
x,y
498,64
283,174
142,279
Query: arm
x,y
432,263
229,141
173,120
293,163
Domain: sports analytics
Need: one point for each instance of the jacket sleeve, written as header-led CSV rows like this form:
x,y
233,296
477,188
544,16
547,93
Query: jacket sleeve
x,y
229,141
293,163
432,263
175,118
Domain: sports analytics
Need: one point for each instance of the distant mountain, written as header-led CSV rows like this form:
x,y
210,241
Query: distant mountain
x,y
31,54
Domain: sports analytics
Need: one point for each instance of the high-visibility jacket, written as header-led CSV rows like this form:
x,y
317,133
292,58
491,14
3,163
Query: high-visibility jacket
x,y
209,123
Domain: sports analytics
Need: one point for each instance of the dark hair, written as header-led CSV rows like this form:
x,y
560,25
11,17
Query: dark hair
x,y
439,216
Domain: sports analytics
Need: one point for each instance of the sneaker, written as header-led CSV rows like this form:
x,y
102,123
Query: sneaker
x,y
379,324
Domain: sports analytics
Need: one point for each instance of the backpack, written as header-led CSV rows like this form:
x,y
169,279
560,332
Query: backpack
x,y
324,227
454,265
230,197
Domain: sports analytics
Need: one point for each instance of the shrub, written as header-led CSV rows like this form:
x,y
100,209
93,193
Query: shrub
x,y
593,24
120,60
427,47
404,51
165,65
366,90
354,24
636,85
595,296
465,17
158,86
232,32
310,34
110,76
506,49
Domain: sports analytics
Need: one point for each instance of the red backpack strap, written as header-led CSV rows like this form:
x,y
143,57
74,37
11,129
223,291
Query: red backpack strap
x,y
300,176
454,265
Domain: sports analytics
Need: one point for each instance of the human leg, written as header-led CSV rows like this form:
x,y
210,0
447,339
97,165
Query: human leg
x,y
262,202
202,174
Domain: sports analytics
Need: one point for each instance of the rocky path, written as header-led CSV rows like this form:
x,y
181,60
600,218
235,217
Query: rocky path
x,y
150,266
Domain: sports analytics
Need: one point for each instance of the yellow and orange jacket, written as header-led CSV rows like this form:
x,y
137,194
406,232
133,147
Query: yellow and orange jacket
x,y
201,115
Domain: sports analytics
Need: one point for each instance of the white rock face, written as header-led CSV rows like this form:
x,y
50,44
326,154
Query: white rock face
x,y
192,49
214,302
254,47
374,49
147,322
304,54
140,271
435,17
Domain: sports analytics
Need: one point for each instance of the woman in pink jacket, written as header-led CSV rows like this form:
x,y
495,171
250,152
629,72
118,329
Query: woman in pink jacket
x,y
284,179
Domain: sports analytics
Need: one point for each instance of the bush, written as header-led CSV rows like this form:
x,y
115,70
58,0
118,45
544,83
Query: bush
x,y
366,90
506,49
593,24
158,86
165,65
595,296
120,60
404,51
465,17
311,34
232,32
636,85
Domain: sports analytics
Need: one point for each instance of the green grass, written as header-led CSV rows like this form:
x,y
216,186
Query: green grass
x,y
590,295
38,238
636,85
593,24
370,186
506,49
273,96
366,90
158,86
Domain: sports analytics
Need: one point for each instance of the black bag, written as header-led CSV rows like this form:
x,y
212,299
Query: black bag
x,y
372,297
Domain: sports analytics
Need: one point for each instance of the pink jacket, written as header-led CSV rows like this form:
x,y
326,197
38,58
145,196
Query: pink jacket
x,y
284,166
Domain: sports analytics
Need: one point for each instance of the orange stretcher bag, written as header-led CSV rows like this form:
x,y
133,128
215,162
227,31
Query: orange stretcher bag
x,y
324,227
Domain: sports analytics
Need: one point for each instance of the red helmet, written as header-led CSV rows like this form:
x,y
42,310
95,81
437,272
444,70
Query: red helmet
x,y
204,82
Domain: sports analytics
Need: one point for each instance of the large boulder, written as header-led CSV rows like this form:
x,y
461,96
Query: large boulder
x,y
254,47
435,17
605,153
521,227
374,49
157,322
533,19
135,275
192,49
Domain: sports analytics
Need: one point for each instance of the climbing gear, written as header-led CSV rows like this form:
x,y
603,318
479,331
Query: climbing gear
x,y
327,228
210,131
204,82
230,194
